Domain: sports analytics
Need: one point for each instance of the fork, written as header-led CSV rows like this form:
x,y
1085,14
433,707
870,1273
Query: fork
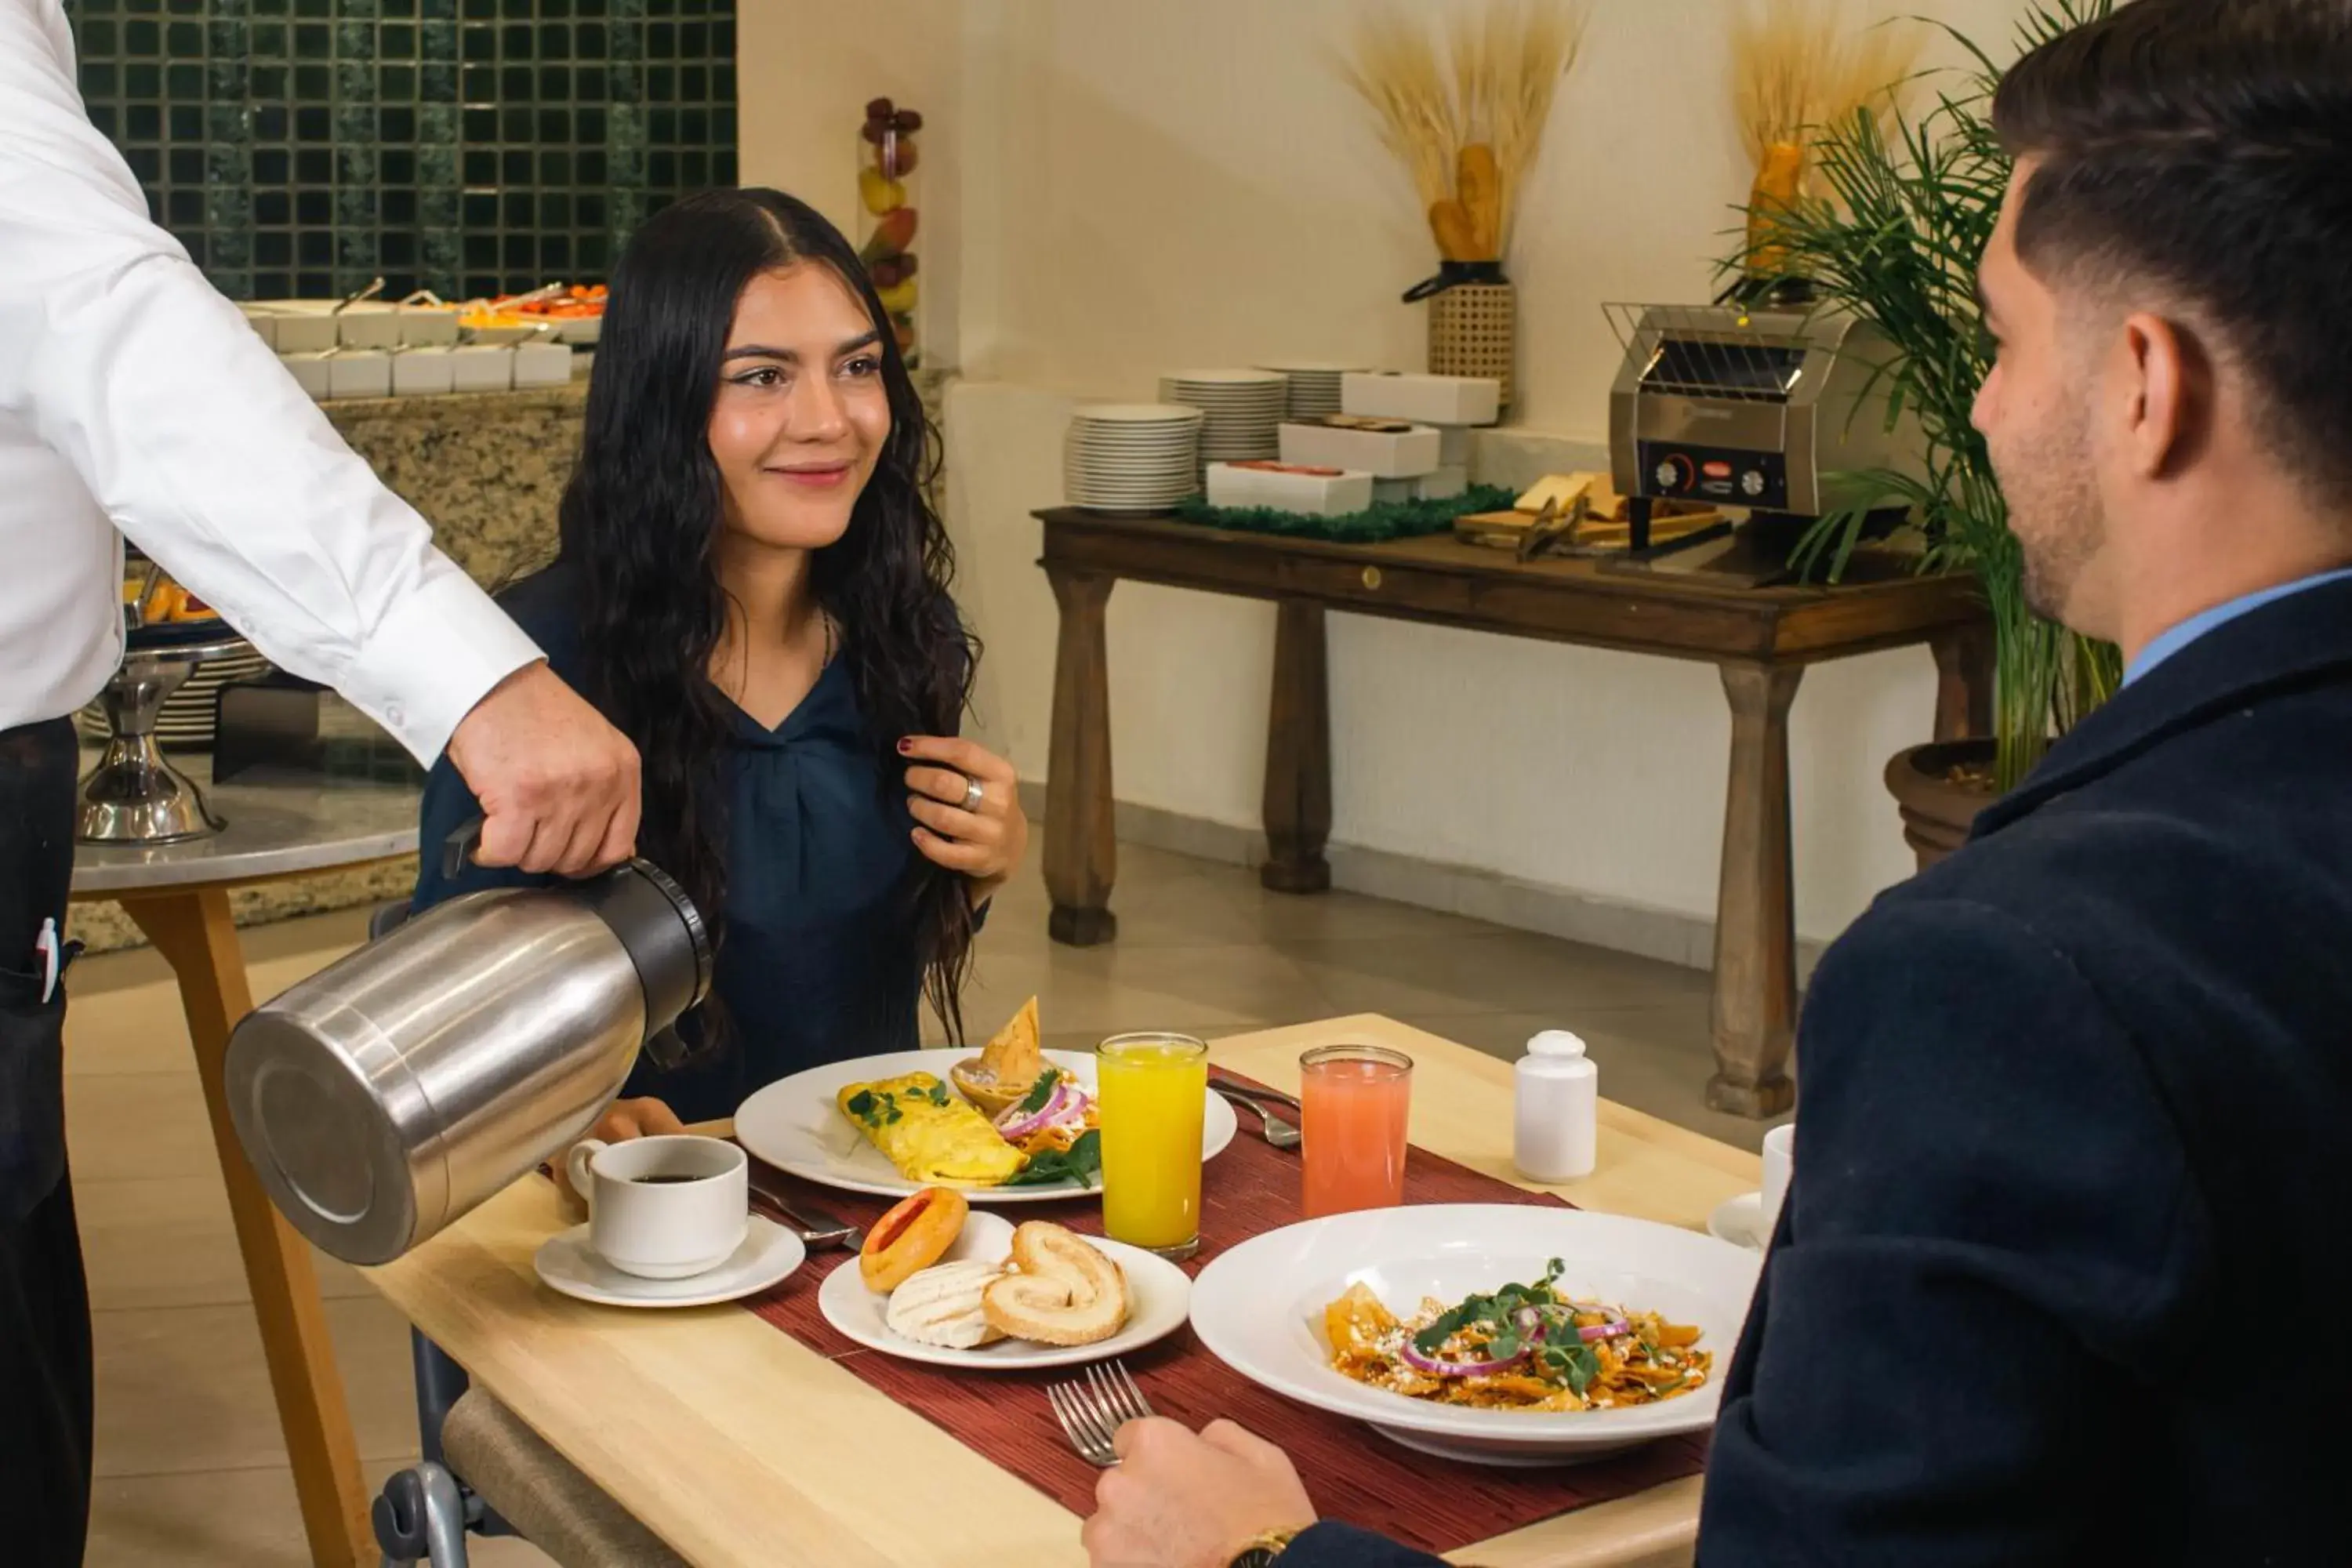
x,y
1092,1410
1280,1134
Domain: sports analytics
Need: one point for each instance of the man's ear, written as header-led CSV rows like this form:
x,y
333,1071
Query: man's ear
x,y
2163,394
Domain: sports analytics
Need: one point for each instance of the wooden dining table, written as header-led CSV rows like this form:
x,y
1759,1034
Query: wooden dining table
x,y
739,1445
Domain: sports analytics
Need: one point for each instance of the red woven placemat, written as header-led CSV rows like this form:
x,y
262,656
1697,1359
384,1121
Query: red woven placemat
x,y
1352,1473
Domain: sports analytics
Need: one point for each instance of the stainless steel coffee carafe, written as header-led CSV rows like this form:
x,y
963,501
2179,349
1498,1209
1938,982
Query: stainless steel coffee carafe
x,y
388,1094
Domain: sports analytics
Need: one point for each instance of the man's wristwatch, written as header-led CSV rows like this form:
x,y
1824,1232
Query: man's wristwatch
x,y
1266,1551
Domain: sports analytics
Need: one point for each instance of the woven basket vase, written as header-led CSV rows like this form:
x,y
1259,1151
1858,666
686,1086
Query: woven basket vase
x,y
1473,331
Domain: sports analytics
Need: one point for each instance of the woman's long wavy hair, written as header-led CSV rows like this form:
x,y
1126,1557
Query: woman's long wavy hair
x,y
640,524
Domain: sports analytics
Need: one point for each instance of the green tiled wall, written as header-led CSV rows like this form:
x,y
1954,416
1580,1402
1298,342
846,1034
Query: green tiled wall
x,y
302,147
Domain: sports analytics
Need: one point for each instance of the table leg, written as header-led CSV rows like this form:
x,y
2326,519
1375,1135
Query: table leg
x,y
1964,677
1299,755
1081,839
193,932
1754,1007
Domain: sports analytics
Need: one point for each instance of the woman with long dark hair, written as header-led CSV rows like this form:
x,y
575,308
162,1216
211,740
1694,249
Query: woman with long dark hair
x,y
751,585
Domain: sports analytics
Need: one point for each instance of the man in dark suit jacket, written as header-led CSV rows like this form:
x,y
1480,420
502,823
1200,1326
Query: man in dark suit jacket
x,y
2060,1279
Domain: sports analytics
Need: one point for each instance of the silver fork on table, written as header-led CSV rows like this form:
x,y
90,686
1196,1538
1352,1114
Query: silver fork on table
x,y
1280,1134
1092,1410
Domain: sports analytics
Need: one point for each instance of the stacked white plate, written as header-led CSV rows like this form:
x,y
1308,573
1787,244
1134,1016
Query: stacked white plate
x,y
1314,388
186,720
1243,409
1131,457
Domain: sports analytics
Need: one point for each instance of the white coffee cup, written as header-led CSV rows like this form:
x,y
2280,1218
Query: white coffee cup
x,y
664,1207
1779,1156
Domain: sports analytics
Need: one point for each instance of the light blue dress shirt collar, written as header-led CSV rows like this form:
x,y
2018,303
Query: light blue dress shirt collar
x,y
2198,624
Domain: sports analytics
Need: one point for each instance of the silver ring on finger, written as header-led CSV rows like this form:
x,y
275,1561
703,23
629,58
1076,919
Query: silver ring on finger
x,y
975,791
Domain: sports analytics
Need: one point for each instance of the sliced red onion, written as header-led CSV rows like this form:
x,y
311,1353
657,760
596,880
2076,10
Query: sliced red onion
x,y
1613,1328
1435,1368
1020,1127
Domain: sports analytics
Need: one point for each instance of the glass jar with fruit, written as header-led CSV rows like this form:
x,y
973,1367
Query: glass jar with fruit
x,y
887,159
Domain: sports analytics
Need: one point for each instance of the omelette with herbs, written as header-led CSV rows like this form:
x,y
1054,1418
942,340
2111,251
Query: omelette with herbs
x,y
1526,1347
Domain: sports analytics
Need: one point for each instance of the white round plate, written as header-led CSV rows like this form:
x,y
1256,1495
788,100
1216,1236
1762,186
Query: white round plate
x,y
1259,1309
1740,1221
1222,378
1136,414
1157,1298
1128,468
795,1125
769,1253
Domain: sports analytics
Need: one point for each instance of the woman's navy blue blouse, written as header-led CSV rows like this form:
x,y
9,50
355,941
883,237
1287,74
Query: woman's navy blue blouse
x,y
816,962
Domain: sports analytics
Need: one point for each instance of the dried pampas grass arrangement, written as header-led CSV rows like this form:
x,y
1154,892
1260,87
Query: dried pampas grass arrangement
x,y
1799,66
1466,113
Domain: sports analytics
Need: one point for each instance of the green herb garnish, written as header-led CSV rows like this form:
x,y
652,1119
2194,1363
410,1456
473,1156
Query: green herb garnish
x,y
861,1106
937,1095
1081,1162
1576,1364
1039,1093
1498,1313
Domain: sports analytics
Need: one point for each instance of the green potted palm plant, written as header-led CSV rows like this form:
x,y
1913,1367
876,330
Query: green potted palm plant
x,y
1911,200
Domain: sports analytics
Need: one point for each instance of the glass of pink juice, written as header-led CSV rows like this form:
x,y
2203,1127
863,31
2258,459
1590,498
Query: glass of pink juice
x,y
1355,1099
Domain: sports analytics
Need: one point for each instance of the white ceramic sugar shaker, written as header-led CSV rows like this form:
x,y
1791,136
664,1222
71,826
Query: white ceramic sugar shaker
x,y
1557,1108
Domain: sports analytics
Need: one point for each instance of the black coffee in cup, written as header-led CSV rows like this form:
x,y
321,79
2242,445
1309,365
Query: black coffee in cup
x,y
658,1178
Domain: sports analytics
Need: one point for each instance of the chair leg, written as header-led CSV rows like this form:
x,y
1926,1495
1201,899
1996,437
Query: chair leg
x,y
421,1518
440,1383
444,1519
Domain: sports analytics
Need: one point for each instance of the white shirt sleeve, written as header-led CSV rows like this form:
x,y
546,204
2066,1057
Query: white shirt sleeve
x,y
196,441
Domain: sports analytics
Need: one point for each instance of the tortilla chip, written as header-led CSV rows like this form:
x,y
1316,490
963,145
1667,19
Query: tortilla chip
x,y
1014,1056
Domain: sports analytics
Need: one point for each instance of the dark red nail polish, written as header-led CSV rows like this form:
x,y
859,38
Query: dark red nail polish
x,y
904,747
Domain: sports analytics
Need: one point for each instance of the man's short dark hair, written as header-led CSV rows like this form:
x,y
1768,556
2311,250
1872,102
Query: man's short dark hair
x,y
2205,146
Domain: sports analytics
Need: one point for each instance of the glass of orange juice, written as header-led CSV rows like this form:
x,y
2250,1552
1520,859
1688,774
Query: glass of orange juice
x,y
1354,1101
1150,1092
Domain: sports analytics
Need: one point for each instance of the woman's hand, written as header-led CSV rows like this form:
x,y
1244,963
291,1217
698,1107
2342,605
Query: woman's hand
x,y
628,1118
983,839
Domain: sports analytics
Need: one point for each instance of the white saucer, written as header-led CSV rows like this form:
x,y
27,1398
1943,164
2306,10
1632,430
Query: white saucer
x,y
769,1252
1740,1221
1159,1294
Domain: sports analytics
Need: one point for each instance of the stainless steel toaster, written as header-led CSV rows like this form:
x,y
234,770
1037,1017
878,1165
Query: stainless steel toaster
x,y
1750,408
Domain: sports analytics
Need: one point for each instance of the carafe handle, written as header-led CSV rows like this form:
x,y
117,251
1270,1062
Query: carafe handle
x,y
458,848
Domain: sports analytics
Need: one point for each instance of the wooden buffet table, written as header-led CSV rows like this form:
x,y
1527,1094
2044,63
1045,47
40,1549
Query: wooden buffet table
x,y
739,1445
1762,640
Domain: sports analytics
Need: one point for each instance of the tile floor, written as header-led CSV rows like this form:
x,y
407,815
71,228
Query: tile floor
x,y
191,1471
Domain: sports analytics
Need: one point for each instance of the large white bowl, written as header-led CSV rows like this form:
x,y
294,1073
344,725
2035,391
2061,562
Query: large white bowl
x,y
1259,1309
795,1125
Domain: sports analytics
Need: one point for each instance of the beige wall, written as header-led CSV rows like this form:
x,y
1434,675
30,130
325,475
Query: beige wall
x,y
805,70
1146,184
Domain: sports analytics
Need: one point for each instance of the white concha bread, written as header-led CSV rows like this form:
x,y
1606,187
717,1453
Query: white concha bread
x,y
1061,1291
941,1306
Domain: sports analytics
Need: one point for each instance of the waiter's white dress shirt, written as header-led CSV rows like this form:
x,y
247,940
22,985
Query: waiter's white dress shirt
x,y
132,396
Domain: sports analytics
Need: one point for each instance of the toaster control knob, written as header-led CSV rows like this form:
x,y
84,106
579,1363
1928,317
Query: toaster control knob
x,y
1752,482
1674,473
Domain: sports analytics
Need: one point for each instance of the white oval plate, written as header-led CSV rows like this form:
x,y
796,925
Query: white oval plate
x,y
1259,1309
1159,1296
769,1253
795,1125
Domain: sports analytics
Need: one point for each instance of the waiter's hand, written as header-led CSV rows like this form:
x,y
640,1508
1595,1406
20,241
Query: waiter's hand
x,y
557,783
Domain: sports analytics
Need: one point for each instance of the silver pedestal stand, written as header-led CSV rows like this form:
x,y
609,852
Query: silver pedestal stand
x,y
134,795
